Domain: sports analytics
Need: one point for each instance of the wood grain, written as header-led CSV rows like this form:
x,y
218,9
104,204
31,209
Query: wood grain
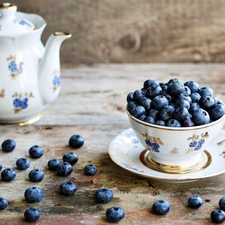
x,y
135,30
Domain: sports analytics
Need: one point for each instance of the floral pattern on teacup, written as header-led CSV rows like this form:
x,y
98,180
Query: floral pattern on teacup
x,y
153,143
2,93
15,66
196,141
20,101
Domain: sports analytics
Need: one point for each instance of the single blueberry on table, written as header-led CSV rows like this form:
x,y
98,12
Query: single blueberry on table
x,y
70,157
32,214
90,169
195,201
218,216
67,187
36,151
8,145
64,169
222,203
3,203
104,195
8,174
161,207
115,214
33,194
76,141
53,164
36,175
23,163
138,111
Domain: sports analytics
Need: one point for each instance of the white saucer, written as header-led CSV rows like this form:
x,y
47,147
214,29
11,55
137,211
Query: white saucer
x,y
127,152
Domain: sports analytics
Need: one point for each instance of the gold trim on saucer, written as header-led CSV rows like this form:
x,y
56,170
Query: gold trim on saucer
x,y
157,167
32,120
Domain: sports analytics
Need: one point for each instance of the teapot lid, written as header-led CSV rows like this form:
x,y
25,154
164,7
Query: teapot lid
x,y
10,23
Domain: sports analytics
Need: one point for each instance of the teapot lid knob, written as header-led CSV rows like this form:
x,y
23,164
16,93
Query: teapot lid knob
x,y
12,22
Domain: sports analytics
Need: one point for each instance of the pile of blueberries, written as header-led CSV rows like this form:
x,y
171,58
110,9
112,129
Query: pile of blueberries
x,y
63,169
162,207
174,104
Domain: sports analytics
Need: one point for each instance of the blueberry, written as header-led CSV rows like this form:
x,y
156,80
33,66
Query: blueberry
x,y
160,123
142,118
104,195
32,214
152,92
159,101
218,216
206,102
173,123
222,203
180,113
130,97
217,111
3,203
161,207
70,157
182,104
194,107
0,166
149,119
67,187
8,174
36,151
8,145
200,117
115,214
23,163
195,201
138,94
206,91
64,169
131,105
193,86
53,164
187,90
175,86
90,169
184,97
154,113
146,102
76,141
195,97
150,83
33,194
36,175
163,86
187,122
138,111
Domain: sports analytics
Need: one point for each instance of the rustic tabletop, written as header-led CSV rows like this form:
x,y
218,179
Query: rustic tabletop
x,y
92,103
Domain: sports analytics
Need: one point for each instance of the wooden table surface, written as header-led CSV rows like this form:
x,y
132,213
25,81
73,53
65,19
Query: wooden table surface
x,y
92,103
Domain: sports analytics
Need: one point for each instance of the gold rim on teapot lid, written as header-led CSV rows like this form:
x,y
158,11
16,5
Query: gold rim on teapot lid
x,y
7,5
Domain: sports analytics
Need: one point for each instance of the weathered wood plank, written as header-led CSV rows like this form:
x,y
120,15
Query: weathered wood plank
x,y
134,30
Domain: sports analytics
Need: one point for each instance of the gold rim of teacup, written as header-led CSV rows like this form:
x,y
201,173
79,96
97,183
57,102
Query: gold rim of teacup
x,y
7,5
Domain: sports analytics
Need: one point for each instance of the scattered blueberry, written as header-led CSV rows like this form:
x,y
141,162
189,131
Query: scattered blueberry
x,y
115,214
218,216
36,175
3,203
53,164
23,163
31,214
68,187
70,157
0,166
90,169
8,174
33,194
76,141
104,195
161,207
195,201
222,203
36,151
64,169
8,145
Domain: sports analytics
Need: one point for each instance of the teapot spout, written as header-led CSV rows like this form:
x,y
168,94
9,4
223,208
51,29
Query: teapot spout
x,y
49,67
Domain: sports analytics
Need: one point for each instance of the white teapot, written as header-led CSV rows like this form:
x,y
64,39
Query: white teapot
x,y
30,72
